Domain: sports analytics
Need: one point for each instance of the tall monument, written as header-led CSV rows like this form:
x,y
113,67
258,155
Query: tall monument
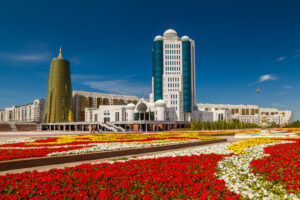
x,y
59,92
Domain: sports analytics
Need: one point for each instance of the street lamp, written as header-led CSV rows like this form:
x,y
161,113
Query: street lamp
x,y
258,102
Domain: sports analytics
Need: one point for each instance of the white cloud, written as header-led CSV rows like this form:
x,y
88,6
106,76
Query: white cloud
x,y
267,77
35,57
297,53
281,93
280,58
276,104
76,77
106,83
122,86
288,86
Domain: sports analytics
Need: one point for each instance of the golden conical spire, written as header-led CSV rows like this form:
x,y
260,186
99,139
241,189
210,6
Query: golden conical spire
x,y
60,55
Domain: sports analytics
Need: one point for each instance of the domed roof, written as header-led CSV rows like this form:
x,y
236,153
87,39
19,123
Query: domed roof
x,y
185,37
158,37
160,102
170,32
130,106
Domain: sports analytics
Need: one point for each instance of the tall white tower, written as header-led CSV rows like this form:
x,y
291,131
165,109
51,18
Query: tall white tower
x,y
174,73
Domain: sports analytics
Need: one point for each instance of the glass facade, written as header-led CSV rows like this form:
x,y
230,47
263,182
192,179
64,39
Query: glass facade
x,y
59,93
136,116
186,68
158,69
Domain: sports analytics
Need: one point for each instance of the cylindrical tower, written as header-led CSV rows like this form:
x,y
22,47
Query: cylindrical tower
x,y
186,68
158,67
160,107
59,92
130,111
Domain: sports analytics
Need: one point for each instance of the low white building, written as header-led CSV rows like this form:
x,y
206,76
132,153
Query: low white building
x,y
26,113
249,113
82,100
147,111
142,111
203,116
212,115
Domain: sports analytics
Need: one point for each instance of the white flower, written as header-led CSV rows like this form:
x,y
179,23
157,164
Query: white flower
x,y
17,140
238,176
216,148
98,147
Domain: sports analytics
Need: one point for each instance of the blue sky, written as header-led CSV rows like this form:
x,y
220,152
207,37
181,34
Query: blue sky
x,y
240,45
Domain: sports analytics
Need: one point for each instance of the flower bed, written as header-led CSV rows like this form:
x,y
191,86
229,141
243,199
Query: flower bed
x,y
51,146
163,178
10,154
260,168
236,170
281,166
272,130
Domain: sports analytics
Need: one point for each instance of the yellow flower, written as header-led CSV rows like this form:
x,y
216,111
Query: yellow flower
x,y
217,132
127,138
240,146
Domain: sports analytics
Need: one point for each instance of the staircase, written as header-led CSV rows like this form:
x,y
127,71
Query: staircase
x,y
116,127
13,127
108,127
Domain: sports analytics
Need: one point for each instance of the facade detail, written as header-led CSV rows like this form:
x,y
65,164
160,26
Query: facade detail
x,y
249,113
59,92
173,78
212,116
32,112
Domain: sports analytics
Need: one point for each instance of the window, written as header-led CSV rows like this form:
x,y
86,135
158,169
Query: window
x,y
106,119
117,116
152,116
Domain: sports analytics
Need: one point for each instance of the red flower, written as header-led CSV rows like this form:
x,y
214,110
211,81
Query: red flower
x,y
281,166
163,178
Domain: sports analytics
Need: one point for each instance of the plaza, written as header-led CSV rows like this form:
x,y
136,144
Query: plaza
x,y
149,100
